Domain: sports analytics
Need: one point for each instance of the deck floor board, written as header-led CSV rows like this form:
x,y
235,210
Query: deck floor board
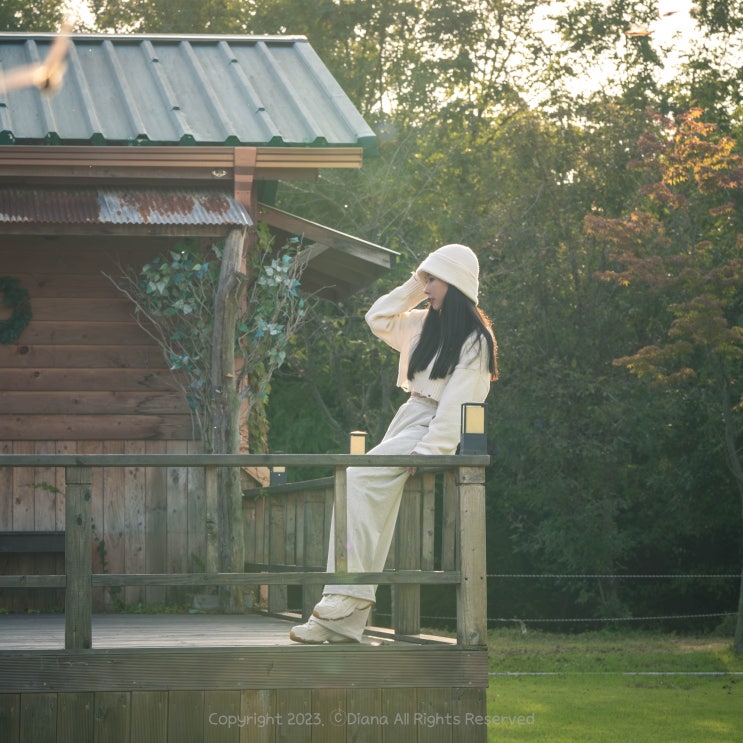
x,y
46,631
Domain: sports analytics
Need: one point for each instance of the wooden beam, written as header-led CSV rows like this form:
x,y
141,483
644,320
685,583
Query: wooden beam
x,y
298,667
33,164
278,578
245,160
424,462
326,237
78,558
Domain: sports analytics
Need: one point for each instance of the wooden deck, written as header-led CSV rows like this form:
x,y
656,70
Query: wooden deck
x,y
47,631
120,678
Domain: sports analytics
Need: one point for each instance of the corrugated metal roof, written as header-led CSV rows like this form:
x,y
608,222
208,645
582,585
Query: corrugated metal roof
x,y
142,89
120,206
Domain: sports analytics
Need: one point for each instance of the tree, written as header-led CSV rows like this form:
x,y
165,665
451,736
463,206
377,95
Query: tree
x,y
682,243
171,16
21,15
495,129
205,313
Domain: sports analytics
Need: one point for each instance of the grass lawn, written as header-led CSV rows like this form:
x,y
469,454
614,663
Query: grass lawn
x,y
629,687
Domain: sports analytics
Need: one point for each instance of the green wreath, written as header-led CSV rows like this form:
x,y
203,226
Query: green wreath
x,y
15,296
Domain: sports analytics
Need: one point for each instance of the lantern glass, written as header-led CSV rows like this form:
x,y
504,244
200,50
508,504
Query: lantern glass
x,y
474,439
358,442
474,418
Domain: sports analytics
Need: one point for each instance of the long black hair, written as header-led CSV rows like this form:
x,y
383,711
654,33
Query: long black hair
x,y
444,333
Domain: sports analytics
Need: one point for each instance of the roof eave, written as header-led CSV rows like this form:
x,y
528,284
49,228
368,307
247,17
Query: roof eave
x,y
83,163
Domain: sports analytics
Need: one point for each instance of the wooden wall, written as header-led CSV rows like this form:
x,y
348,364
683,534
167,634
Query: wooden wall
x,y
145,520
83,369
333,715
85,377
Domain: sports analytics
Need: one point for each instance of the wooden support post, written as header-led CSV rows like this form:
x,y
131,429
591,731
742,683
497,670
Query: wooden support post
x,y
277,520
313,543
212,518
341,521
78,558
449,522
472,604
406,599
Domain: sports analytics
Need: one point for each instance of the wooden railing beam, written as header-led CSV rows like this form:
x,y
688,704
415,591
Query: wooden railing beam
x,y
286,550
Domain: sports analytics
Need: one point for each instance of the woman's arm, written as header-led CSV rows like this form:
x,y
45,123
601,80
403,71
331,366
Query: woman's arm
x,y
392,315
469,382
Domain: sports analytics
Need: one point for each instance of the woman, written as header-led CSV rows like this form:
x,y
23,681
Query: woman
x,y
447,357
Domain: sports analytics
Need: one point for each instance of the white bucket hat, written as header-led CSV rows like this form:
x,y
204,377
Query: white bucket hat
x,y
456,265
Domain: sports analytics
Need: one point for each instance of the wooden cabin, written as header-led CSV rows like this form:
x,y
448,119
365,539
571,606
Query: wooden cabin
x,y
148,141
106,501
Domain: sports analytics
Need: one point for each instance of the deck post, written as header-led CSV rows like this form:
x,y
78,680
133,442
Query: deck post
x,y
406,599
277,546
340,519
472,619
78,558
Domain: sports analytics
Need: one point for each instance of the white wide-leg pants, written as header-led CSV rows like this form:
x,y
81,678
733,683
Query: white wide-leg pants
x,y
374,495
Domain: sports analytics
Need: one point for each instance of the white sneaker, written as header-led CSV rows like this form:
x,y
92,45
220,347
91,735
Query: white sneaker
x,y
313,633
335,606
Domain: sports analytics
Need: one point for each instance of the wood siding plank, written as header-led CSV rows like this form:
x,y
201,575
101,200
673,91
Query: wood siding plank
x,y
197,515
10,717
364,708
186,716
96,519
177,525
156,533
75,380
220,707
135,522
114,521
468,703
292,707
125,402
101,427
39,718
149,717
75,716
82,357
399,707
259,707
435,714
329,706
6,489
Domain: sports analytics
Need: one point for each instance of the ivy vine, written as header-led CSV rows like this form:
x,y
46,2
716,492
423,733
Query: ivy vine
x,y
174,294
15,296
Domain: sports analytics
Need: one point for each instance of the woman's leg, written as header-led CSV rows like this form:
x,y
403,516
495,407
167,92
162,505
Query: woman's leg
x,y
374,495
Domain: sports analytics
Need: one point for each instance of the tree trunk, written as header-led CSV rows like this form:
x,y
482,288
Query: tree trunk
x,y
225,421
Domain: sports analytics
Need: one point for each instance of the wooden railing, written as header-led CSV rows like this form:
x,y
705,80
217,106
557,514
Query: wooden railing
x,y
462,553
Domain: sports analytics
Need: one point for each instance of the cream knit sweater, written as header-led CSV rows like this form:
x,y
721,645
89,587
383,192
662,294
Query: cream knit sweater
x,y
394,319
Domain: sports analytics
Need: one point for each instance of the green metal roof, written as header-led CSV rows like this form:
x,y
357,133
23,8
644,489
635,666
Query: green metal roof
x,y
180,90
